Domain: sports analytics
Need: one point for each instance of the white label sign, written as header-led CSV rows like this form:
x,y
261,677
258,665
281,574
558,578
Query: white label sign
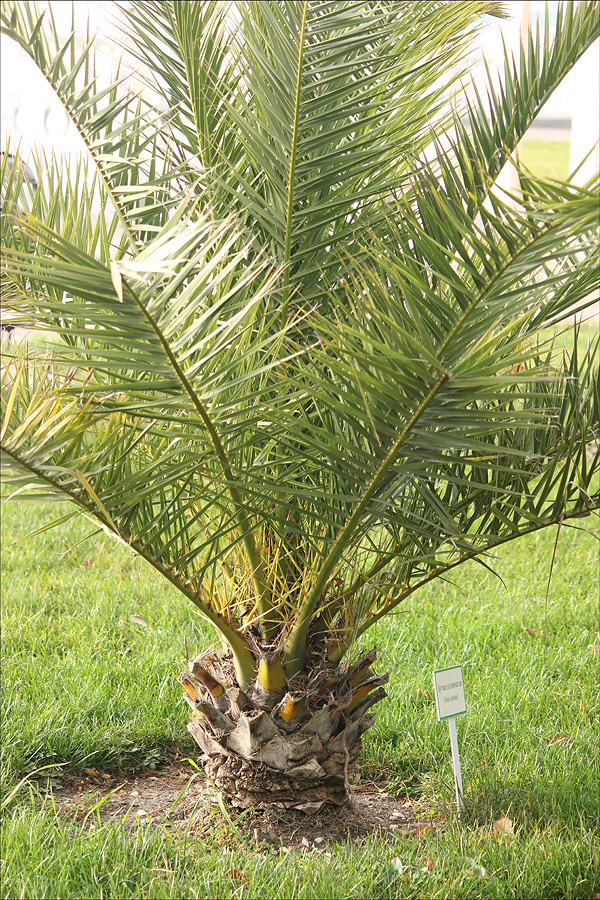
x,y
449,692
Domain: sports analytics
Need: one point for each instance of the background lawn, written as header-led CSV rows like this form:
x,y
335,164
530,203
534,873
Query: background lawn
x,y
84,686
546,158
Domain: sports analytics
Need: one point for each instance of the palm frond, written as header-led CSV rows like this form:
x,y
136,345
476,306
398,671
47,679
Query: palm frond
x,y
67,195
122,131
498,116
314,109
422,367
156,331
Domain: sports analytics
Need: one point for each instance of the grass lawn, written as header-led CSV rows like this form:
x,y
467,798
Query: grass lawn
x,y
84,686
546,158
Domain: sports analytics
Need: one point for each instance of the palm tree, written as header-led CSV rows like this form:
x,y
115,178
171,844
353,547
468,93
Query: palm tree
x,y
299,349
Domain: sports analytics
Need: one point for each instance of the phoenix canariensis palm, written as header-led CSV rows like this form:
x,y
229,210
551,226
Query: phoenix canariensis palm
x,y
298,353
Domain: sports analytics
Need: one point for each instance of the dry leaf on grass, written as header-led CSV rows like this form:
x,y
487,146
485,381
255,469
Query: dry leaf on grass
x,y
559,739
398,868
473,868
532,632
237,875
503,826
138,620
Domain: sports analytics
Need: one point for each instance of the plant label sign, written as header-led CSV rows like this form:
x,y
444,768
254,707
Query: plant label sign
x,y
450,702
449,692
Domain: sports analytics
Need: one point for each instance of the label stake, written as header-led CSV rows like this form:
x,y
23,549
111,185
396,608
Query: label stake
x,y
456,764
449,691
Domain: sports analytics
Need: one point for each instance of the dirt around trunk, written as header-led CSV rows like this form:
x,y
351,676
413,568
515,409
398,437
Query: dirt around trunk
x,y
181,799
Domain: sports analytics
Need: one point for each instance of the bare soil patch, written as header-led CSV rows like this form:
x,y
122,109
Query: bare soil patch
x,y
180,799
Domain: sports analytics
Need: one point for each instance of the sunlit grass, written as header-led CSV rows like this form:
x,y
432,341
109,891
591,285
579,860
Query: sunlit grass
x,y
546,158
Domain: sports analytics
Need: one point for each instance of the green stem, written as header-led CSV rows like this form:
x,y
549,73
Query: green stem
x,y
243,660
295,647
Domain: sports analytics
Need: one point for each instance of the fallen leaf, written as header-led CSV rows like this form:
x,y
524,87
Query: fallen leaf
x,y
91,771
418,830
137,620
503,826
559,739
428,862
106,776
532,632
237,875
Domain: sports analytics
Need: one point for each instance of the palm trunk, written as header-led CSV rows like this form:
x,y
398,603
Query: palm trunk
x,y
295,746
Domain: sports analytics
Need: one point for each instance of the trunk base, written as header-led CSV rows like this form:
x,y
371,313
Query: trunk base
x,y
248,784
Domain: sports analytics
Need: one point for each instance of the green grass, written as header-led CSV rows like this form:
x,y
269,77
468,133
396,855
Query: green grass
x,y
83,686
546,158
563,336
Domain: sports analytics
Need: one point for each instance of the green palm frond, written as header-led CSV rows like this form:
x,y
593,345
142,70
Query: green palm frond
x,y
422,365
498,116
193,47
314,109
69,199
126,317
122,131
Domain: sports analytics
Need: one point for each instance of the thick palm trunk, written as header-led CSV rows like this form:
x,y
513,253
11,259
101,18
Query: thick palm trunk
x,y
296,747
